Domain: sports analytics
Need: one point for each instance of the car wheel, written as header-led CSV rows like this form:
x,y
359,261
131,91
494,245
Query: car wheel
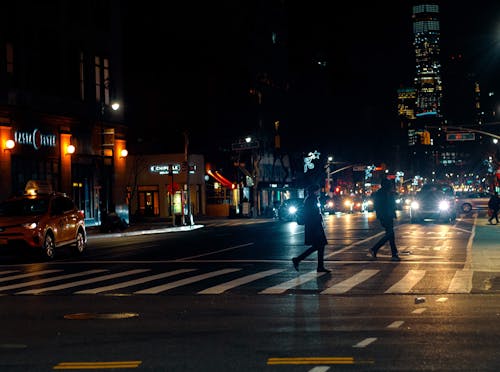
x,y
79,242
49,246
466,208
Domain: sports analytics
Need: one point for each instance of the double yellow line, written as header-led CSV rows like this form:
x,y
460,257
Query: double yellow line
x,y
98,365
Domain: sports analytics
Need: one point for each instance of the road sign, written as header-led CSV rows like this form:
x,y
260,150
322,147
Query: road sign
x,y
239,146
460,136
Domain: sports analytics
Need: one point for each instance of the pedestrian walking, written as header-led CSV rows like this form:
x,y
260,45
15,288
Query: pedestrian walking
x,y
494,206
314,233
385,209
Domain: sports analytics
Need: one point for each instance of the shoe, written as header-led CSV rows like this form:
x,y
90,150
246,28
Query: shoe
x,y
372,253
395,258
295,263
323,270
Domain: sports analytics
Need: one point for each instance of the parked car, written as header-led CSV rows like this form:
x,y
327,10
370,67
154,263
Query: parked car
x,y
45,222
290,208
434,202
467,201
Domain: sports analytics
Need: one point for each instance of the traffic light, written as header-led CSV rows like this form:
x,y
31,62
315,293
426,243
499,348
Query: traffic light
x,y
337,189
425,138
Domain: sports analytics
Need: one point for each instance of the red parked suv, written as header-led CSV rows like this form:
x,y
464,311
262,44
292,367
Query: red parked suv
x,y
43,221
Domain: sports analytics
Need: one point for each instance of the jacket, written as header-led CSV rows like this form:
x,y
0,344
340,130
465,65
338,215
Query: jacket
x,y
314,234
385,204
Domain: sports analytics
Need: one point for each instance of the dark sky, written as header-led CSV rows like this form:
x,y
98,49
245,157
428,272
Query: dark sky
x,y
191,64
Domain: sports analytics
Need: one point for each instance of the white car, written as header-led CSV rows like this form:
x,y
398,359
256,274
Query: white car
x,y
468,201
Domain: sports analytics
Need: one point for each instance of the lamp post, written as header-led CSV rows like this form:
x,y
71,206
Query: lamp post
x,y
106,172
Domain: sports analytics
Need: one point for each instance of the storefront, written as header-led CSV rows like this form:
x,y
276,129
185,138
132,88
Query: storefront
x,y
67,156
166,186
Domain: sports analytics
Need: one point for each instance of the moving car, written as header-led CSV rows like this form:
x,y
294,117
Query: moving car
x,y
290,208
434,202
43,221
468,201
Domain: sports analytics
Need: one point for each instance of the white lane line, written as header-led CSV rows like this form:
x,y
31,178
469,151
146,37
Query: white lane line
x,y
461,282
221,288
82,282
351,282
295,282
396,324
442,299
319,369
215,252
419,310
178,283
21,276
365,342
133,282
51,279
405,285
468,257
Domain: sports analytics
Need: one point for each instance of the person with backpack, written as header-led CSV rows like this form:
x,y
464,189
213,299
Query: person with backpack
x,y
494,206
314,233
385,209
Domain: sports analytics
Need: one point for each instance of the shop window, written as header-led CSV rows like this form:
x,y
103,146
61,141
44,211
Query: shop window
x,y
148,198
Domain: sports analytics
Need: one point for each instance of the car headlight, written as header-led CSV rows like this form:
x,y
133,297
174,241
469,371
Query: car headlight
x,y
292,210
30,225
414,205
329,204
444,205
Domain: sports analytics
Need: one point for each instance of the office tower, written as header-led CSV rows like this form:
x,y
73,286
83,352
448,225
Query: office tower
x,y
428,67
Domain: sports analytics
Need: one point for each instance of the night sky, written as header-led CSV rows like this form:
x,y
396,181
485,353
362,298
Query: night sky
x,y
190,65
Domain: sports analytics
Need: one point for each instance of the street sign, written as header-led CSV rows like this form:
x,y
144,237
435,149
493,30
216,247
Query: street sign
x,y
240,146
460,136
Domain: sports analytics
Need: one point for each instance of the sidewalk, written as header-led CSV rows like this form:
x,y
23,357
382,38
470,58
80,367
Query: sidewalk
x,y
144,228
486,246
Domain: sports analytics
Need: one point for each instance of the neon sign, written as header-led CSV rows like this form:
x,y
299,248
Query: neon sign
x,y
36,139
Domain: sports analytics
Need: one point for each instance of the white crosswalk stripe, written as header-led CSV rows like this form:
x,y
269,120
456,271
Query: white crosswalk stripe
x,y
266,282
51,279
405,285
351,282
82,282
221,288
131,283
296,282
178,283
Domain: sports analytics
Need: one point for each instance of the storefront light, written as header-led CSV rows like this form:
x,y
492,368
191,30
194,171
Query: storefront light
x,y
70,150
123,153
9,144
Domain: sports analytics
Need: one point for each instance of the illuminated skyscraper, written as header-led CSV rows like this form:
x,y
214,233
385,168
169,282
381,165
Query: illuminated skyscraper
x,y
428,67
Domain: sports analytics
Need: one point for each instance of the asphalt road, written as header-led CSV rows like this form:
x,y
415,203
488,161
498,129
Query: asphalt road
x,y
226,297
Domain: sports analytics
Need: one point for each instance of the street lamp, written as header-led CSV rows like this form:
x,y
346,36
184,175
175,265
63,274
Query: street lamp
x,y
107,163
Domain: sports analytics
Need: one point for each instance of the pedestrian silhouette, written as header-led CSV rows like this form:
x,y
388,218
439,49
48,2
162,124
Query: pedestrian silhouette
x,y
314,233
494,206
385,208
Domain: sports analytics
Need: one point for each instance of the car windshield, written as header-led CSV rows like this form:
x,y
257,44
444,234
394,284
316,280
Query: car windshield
x,y
24,207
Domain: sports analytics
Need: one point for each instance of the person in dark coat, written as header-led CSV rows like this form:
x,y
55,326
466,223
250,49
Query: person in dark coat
x,y
494,205
314,233
385,209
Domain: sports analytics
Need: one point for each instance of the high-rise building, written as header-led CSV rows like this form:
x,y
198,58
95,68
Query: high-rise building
x,y
428,67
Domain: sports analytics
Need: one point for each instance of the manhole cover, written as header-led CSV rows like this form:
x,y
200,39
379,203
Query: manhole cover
x,y
101,316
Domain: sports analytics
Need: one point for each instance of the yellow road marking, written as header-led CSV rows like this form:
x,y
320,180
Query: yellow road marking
x,y
96,365
311,360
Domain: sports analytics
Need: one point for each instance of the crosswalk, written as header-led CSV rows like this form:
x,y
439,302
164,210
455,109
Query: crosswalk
x,y
202,281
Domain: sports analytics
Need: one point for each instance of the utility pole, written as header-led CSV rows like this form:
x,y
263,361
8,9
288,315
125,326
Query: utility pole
x,y
188,189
